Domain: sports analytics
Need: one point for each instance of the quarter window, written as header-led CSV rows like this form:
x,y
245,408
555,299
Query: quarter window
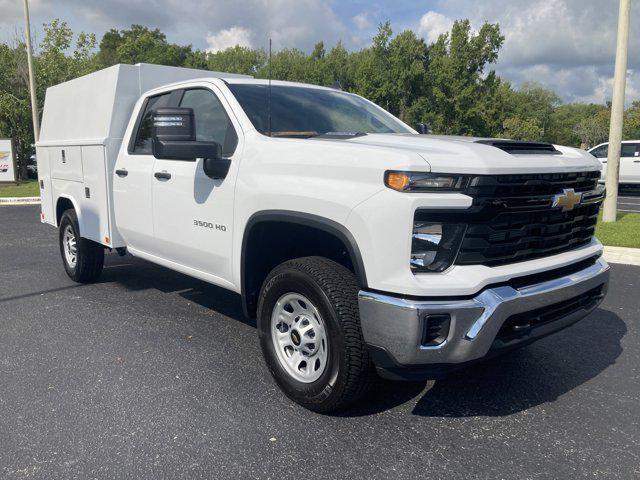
x,y
142,145
212,122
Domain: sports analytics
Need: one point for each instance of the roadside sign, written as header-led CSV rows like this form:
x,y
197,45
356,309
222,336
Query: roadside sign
x,y
7,161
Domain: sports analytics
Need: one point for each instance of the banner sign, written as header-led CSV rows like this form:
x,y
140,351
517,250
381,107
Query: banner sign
x,y
7,162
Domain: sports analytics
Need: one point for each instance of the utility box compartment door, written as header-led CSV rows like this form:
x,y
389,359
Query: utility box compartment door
x,y
93,204
44,179
66,163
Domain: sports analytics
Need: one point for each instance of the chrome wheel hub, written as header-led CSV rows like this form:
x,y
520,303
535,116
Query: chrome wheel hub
x,y
299,337
69,246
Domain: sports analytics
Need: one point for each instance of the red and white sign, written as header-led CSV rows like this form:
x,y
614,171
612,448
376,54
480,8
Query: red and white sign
x,y
7,163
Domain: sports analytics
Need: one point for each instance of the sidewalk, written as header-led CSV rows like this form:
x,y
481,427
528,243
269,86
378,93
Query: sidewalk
x,y
627,256
20,201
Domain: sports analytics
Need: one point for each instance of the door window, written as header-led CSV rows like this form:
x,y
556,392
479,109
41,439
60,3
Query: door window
x,y
142,144
628,150
212,122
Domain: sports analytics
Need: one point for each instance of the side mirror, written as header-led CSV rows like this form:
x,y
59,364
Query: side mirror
x,y
174,139
216,168
423,129
173,124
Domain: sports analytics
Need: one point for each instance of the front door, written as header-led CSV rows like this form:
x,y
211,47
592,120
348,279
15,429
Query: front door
x,y
132,181
192,213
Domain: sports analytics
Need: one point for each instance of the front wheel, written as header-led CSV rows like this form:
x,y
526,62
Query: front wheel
x,y
83,259
309,328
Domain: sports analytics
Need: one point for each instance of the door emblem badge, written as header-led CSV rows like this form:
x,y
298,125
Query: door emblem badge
x,y
568,199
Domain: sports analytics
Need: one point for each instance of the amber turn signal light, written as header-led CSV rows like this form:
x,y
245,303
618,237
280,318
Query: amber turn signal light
x,y
397,180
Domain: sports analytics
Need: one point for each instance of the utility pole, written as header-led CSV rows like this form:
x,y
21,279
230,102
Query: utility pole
x,y
617,114
32,82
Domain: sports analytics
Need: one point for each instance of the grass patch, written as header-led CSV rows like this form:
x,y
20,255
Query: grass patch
x,y
29,188
623,233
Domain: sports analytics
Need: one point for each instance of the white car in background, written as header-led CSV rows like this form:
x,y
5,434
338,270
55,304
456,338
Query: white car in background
x,y
629,161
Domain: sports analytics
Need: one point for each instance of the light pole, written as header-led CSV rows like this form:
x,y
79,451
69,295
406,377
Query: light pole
x,y
617,114
32,82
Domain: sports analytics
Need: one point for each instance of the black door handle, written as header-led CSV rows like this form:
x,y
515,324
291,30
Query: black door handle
x,y
122,172
162,175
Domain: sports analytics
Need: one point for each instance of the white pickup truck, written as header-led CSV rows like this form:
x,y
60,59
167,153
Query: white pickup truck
x,y
361,246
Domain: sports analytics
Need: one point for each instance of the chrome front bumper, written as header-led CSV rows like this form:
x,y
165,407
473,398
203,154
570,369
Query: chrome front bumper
x,y
393,327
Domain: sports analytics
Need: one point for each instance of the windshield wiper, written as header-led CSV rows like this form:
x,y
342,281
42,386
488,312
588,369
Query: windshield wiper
x,y
340,135
295,134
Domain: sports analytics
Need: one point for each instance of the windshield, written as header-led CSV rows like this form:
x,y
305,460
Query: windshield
x,y
308,112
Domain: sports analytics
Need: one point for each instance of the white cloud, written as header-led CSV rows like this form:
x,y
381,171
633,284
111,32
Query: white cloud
x,y
433,24
290,23
361,21
229,37
567,45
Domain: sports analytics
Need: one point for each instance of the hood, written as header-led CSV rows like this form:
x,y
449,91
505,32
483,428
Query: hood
x,y
451,154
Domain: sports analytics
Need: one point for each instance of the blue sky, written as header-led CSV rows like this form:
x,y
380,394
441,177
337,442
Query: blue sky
x,y
566,45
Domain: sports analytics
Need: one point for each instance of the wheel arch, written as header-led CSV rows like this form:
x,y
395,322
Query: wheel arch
x,y
251,277
66,202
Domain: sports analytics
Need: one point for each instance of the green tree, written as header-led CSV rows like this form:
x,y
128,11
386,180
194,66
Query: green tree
x,y
566,117
458,88
57,58
140,44
371,69
594,129
519,128
236,59
632,122
533,105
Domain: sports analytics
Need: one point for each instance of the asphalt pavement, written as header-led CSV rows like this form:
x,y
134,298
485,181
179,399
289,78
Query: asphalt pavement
x,y
151,374
629,200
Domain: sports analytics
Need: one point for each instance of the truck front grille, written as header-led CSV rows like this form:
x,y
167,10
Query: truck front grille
x,y
513,219
519,222
510,237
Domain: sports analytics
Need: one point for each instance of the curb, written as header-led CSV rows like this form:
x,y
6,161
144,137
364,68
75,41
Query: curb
x,y
627,256
20,201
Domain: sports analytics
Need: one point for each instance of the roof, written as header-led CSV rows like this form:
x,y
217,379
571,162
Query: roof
x,y
277,83
98,106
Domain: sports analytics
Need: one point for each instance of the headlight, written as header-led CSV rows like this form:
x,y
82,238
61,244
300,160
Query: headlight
x,y
434,246
425,182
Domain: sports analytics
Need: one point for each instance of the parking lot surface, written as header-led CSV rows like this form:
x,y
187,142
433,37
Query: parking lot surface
x,y
152,374
629,200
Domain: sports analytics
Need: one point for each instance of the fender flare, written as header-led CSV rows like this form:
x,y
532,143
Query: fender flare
x,y
76,207
309,220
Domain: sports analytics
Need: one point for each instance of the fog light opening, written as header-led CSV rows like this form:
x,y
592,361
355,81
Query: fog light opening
x,y
435,329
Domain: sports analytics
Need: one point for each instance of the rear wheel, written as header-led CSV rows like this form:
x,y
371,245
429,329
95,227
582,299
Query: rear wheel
x,y
309,328
83,259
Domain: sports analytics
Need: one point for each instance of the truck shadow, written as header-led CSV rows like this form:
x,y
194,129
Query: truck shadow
x,y
516,381
508,384
135,274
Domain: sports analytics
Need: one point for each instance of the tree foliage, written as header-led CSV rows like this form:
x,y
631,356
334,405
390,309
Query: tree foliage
x,y
448,84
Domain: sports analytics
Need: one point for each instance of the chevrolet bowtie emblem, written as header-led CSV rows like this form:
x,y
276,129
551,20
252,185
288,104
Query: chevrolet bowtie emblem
x,y
568,199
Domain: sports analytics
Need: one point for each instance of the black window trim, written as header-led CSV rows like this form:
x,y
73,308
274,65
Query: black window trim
x,y
224,109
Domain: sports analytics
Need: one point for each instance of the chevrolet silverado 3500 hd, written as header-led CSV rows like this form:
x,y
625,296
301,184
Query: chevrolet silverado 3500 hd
x,y
361,246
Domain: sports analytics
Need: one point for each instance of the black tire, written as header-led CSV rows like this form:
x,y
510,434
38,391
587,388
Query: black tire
x,y
333,290
89,254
